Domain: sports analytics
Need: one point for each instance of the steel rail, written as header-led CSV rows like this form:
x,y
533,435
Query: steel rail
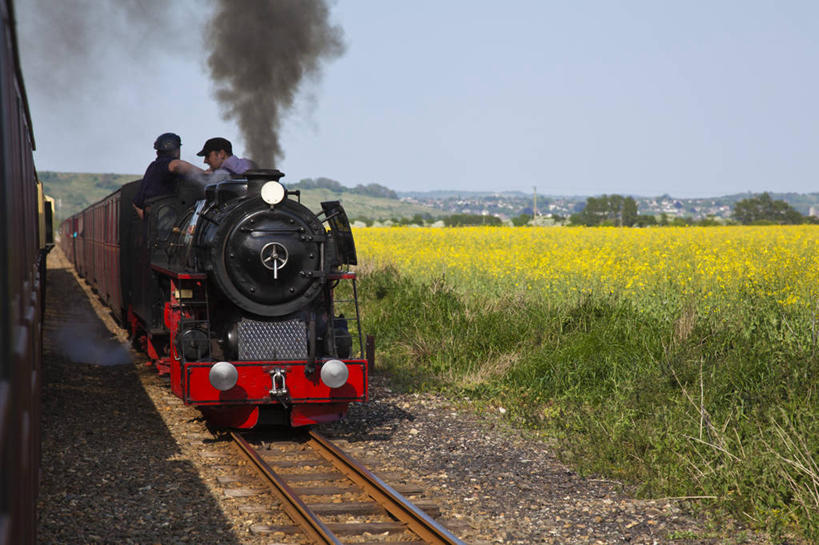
x,y
301,514
397,505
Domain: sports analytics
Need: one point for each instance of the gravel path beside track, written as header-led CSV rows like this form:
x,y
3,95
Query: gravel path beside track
x,y
123,458
112,471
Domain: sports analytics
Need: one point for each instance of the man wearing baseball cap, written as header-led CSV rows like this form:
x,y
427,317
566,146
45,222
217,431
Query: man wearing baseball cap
x,y
218,154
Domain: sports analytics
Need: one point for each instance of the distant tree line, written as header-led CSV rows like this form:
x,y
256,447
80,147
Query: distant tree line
x,y
463,220
455,220
523,219
417,219
613,210
619,211
371,190
762,209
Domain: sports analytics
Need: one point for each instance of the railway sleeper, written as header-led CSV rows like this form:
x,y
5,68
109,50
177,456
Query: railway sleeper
x,y
338,528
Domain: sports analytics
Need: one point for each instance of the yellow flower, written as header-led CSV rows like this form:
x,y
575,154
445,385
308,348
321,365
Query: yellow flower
x,y
716,266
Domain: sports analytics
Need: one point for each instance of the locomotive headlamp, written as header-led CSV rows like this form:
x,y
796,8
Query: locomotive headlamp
x,y
223,376
273,192
334,373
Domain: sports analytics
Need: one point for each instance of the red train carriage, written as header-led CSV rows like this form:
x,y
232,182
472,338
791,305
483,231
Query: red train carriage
x,y
101,244
24,241
231,291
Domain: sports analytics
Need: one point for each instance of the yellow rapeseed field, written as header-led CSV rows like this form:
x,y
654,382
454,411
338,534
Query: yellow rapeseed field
x,y
712,265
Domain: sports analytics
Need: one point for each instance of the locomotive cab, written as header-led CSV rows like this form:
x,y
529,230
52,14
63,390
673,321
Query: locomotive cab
x,y
146,242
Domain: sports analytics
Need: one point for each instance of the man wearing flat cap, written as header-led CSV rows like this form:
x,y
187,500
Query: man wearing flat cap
x,y
218,154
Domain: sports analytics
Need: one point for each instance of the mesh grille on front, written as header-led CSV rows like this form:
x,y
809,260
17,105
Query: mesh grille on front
x,y
272,340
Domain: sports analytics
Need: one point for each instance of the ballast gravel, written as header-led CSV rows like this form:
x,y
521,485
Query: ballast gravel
x,y
124,462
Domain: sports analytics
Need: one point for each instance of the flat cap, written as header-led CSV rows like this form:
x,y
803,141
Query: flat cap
x,y
215,144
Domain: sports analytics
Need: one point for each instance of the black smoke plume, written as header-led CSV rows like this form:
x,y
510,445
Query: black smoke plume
x,y
260,52
75,49
78,54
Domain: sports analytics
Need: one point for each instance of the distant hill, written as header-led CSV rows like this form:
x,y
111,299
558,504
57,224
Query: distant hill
x,y
372,201
73,191
367,207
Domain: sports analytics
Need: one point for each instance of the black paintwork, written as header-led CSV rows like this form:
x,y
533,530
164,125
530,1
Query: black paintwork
x,y
223,230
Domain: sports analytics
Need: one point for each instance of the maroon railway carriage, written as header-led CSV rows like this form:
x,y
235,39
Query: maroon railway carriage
x,y
24,242
230,290
99,241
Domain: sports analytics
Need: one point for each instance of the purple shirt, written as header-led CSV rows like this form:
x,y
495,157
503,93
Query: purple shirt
x,y
235,165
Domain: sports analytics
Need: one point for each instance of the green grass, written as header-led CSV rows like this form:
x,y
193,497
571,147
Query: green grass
x,y
721,407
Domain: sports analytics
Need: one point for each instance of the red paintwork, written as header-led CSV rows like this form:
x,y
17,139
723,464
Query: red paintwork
x,y
176,378
254,384
163,366
240,416
307,415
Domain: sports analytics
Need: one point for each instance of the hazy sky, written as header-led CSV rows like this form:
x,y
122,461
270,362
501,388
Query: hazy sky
x,y
693,98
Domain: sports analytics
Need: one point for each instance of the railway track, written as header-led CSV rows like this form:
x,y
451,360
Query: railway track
x,y
362,509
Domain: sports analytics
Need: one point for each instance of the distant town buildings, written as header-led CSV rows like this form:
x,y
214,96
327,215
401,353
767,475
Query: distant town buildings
x,y
509,205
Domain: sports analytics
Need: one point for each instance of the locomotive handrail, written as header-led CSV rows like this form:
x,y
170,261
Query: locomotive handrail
x,y
341,276
330,216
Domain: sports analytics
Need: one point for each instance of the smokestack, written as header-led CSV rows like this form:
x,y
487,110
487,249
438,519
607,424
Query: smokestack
x,y
260,52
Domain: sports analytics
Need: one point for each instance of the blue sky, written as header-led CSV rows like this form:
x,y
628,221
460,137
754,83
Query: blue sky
x,y
688,98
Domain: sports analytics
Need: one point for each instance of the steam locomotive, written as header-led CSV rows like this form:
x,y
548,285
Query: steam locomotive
x,y
230,290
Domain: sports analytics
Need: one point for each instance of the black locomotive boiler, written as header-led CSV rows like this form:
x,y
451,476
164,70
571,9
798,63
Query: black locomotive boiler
x,y
230,289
